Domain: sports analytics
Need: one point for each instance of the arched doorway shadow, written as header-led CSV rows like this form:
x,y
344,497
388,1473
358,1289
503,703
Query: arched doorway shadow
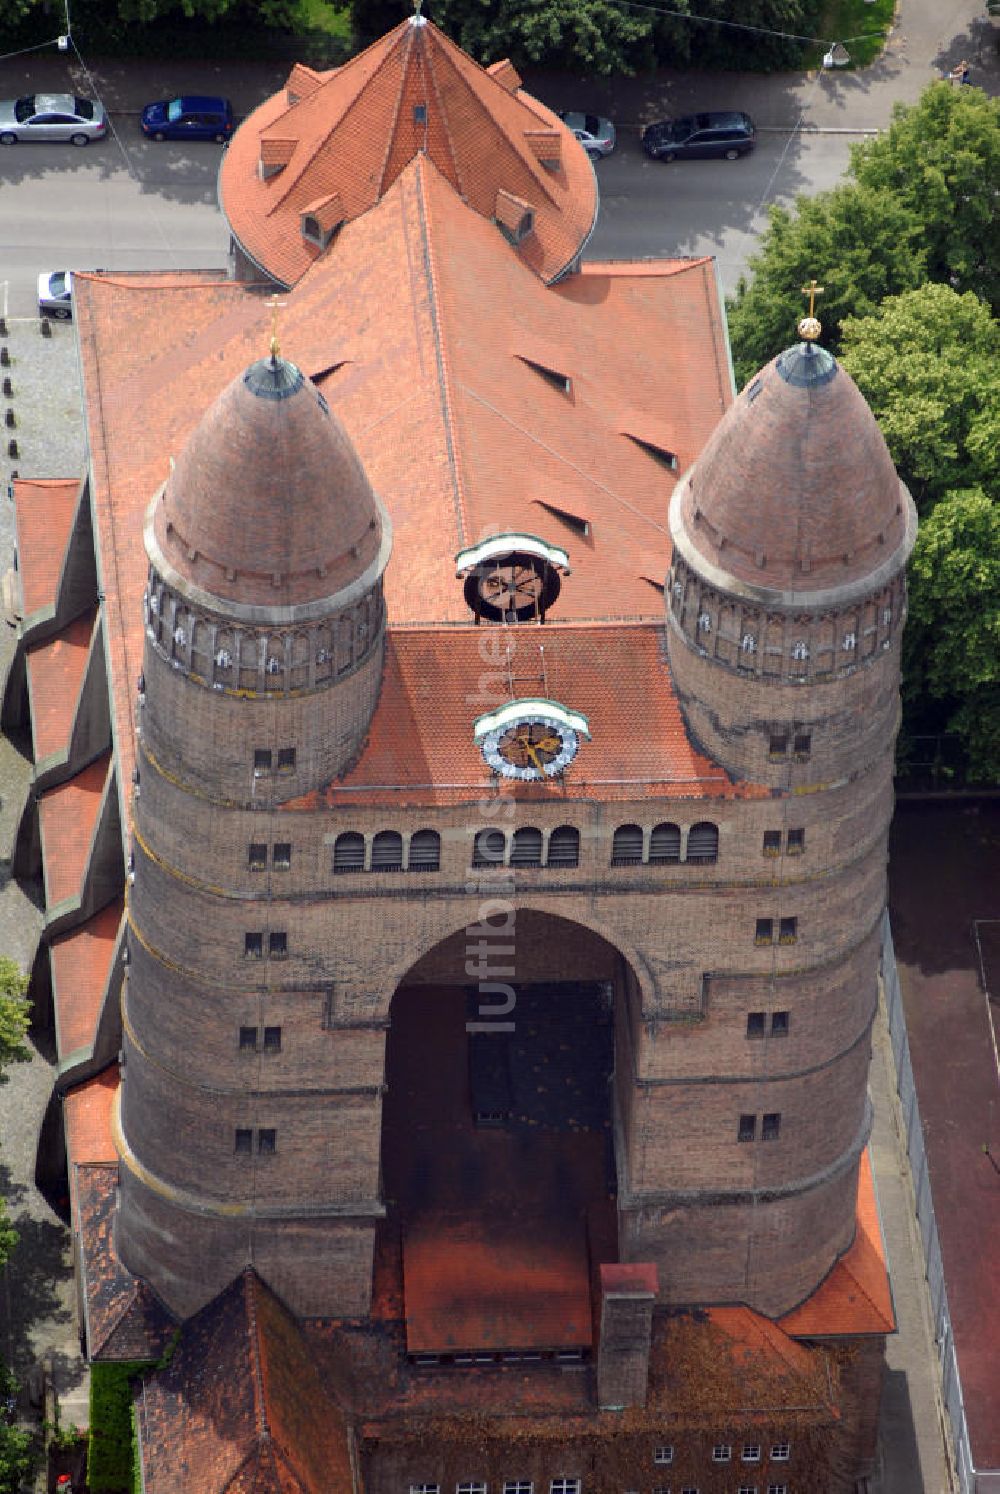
x,y
500,1124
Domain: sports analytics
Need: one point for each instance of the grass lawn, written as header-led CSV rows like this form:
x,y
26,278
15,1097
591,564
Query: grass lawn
x,y
843,19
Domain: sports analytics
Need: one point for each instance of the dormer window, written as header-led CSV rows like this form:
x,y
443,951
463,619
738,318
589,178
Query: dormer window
x,y
320,220
420,114
514,217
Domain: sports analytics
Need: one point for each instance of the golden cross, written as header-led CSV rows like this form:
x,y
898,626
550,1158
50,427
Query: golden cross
x,y
812,290
275,306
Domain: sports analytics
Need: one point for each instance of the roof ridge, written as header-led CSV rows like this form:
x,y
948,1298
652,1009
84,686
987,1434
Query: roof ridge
x,y
256,1355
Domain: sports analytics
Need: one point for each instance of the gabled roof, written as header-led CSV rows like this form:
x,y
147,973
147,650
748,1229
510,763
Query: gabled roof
x,y
241,1406
45,508
56,668
80,963
68,816
350,133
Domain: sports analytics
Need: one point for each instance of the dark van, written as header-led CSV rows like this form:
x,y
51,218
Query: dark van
x,y
700,135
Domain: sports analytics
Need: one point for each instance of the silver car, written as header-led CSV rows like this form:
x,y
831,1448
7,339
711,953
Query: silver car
x,y
596,135
55,294
51,116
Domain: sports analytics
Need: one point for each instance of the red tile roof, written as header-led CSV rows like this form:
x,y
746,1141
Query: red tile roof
x,y
44,509
55,674
350,133
855,1298
80,963
240,1407
436,396
505,1283
87,1113
420,749
68,816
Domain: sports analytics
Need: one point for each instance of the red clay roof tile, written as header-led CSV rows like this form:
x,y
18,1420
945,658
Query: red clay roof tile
x,y
357,128
67,817
81,963
44,509
55,673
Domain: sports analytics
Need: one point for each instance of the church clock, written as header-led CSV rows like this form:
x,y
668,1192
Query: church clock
x,y
530,739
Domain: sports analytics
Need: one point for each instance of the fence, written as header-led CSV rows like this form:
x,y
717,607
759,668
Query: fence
x,y
951,1386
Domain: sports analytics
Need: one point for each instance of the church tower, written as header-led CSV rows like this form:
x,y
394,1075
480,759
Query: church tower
x,y
264,643
786,599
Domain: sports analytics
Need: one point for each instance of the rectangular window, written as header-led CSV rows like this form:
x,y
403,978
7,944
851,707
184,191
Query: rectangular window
x,y
780,1452
796,842
751,1452
272,1039
253,946
747,1489
277,946
778,744
770,1129
779,1024
689,1489
267,1141
788,931
257,857
564,1486
764,933
802,745
748,1128
518,1486
244,1141
663,1455
772,842
721,1452
756,1022
470,1487
248,1039
777,1489
261,761
286,759
281,856
425,1489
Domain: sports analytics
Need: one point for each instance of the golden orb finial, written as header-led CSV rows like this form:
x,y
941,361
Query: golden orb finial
x,y
810,327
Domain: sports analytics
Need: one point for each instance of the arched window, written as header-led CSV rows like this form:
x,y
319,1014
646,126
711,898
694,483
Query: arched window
x,y
527,848
425,851
626,848
665,843
349,852
703,842
564,847
387,851
488,848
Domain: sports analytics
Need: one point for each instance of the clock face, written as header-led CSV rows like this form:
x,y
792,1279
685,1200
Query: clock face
x,y
533,747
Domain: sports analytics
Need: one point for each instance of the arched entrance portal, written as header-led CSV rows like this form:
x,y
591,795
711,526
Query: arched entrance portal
x,y
498,1142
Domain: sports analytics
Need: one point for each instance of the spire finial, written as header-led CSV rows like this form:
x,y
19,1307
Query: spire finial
x,y
417,19
809,326
275,306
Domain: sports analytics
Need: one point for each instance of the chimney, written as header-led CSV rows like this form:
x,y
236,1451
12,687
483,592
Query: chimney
x,y
628,1294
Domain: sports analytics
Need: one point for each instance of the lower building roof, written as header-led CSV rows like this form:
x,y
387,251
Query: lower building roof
x,y
44,508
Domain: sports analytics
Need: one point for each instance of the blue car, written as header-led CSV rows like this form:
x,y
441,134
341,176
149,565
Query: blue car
x,y
191,117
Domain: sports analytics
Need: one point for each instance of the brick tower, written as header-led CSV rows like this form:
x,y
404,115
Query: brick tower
x,y
263,658
786,600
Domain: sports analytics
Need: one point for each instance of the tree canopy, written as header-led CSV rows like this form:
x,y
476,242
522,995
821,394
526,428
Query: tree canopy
x,y
919,204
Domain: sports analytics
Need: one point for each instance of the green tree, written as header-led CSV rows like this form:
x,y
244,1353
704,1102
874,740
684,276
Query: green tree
x,y
953,635
15,1015
860,245
940,159
17,1450
928,363
919,204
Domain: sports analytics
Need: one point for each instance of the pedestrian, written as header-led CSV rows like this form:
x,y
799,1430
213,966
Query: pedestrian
x,y
960,72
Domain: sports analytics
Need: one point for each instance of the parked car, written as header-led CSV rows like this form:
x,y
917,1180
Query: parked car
x,y
189,117
51,116
700,135
596,135
55,294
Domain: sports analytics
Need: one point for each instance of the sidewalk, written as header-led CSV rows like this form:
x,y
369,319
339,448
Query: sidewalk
x,y
928,39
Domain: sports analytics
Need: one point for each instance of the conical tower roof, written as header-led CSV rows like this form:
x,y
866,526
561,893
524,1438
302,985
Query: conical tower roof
x,y
268,505
795,491
330,145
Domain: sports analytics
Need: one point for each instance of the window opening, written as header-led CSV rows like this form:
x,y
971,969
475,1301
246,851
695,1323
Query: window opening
x,y
387,851
282,855
721,1452
253,946
778,745
248,1039
751,1452
243,1142
626,847
257,857
764,932
780,1452
425,851
272,1039
267,1141
770,1131
788,930
573,521
772,842
756,1024
802,745
488,848
349,852
663,1455
779,1024
552,376
665,844
286,759
747,1129
796,842
703,843
277,945
564,847
526,847
261,761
